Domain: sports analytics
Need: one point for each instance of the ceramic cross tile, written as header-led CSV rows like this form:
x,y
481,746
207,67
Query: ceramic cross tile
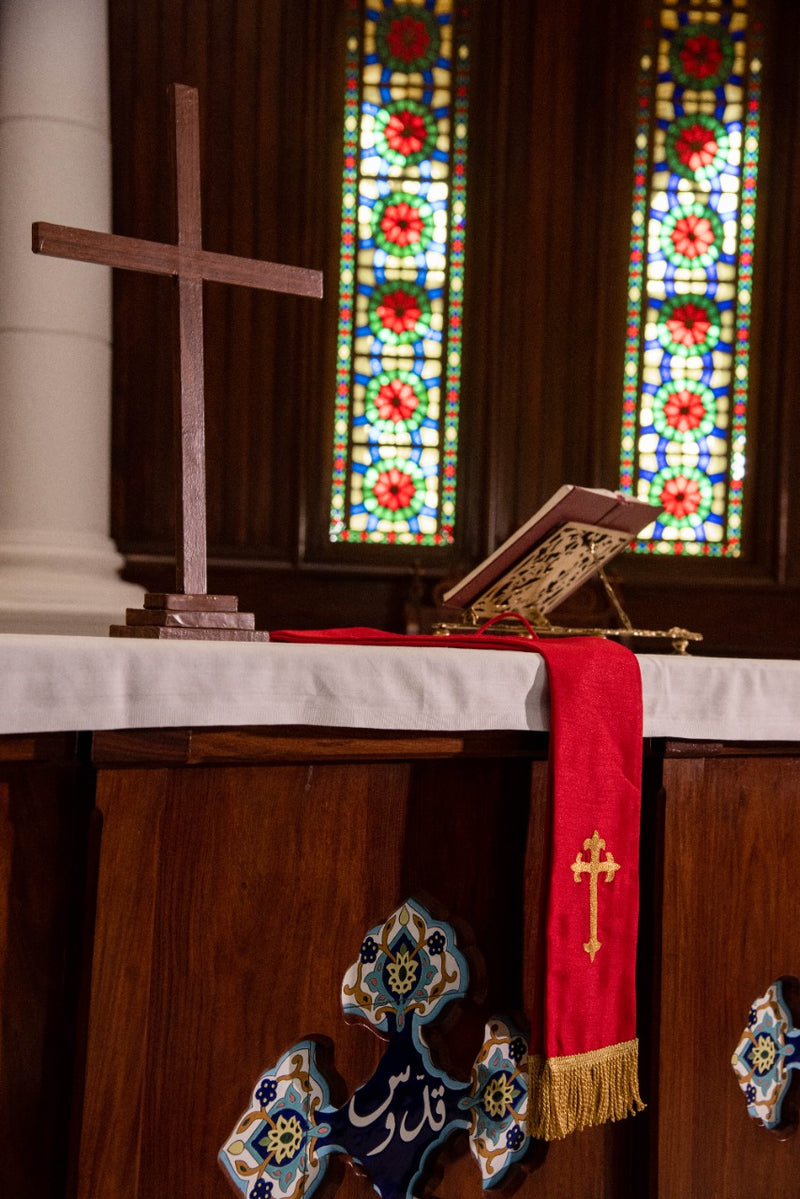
x,y
407,970
768,1051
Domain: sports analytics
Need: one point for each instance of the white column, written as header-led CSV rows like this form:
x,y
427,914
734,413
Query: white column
x,y
58,565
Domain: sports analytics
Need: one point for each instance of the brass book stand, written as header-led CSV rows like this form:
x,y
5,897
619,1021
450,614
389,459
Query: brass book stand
x,y
564,544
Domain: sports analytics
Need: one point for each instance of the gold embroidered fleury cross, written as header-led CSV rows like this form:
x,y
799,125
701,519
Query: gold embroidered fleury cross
x,y
593,868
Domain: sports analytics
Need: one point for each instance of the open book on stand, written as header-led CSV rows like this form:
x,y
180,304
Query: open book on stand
x,y
564,544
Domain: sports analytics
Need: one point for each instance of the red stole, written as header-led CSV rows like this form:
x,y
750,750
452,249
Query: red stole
x,y
584,1062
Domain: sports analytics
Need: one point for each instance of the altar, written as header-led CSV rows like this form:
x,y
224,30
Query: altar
x,y
197,835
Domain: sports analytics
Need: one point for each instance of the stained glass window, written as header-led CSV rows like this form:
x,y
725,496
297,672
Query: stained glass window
x,y
690,277
401,273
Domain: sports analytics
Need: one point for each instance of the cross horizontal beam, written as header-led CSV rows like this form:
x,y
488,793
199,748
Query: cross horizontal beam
x,y
159,258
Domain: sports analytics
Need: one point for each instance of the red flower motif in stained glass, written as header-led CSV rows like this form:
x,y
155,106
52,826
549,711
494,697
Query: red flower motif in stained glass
x,y
701,56
395,401
405,132
401,224
681,496
695,147
408,39
684,410
394,489
692,235
689,325
398,311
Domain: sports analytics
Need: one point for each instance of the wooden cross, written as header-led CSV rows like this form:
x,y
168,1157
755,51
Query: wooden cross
x,y
593,868
189,612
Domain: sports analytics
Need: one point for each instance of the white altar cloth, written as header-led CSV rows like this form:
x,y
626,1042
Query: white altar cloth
x,y
52,684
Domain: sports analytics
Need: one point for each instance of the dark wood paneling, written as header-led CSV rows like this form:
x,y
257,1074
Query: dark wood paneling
x,y
731,910
38,747
43,829
269,77
551,141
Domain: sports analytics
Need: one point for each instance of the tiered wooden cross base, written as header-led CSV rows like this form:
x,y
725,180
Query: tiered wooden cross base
x,y
179,617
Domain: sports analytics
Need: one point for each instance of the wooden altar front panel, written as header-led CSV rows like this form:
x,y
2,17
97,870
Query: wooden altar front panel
x,y
234,893
44,819
236,873
730,925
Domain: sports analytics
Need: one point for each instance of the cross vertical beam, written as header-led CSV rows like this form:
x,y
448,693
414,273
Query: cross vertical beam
x,y
188,362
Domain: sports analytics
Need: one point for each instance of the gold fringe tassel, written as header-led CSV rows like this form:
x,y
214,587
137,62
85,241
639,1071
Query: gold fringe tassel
x,y
582,1090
